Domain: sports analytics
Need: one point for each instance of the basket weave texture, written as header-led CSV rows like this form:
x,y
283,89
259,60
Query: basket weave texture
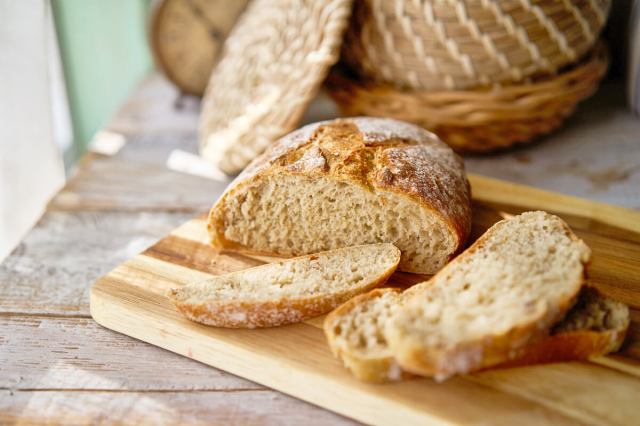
x,y
272,65
461,44
479,120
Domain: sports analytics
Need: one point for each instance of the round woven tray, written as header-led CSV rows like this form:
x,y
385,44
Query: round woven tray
x,y
461,44
477,120
272,65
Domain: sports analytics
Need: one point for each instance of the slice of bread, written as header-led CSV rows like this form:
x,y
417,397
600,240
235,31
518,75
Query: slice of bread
x,y
595,326
503,293
287,291
355,332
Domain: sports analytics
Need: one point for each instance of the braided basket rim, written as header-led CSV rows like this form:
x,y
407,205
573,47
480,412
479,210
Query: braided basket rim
x,y
523,108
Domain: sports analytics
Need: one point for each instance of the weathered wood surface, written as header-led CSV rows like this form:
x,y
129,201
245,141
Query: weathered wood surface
x,y
131,299
117,205
51,270
124,407
62,353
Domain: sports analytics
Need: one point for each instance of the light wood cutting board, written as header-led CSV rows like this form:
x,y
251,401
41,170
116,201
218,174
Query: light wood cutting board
x,y
296,360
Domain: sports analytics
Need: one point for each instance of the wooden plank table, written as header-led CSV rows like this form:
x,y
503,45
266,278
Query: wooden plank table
x,y
58,366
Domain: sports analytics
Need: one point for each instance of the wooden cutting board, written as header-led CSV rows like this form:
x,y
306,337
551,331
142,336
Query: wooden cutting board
x,y
296,360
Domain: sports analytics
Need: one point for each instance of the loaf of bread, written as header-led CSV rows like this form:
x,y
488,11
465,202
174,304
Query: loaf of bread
x,y
503,293
347,182
355,331
287,291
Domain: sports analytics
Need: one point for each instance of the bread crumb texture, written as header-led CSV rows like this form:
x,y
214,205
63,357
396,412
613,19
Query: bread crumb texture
x,y
355,332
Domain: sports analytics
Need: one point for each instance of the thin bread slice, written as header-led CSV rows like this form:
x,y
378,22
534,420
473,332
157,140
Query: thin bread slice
x,y
503,293
288,291
355,331
595,326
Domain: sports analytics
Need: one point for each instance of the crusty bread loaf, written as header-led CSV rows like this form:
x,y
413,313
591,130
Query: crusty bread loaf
x,y
287,291
355,331
503,293
347,182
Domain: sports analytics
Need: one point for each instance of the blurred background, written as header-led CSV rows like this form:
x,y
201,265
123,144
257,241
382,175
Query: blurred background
x,y
67,65
65,68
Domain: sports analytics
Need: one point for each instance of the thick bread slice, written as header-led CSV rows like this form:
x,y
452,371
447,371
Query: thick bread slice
x,y
347,182
355,332
288,291
505,292
595,326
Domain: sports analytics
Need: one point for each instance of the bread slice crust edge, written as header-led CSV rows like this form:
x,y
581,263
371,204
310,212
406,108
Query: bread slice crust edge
x,y
251,313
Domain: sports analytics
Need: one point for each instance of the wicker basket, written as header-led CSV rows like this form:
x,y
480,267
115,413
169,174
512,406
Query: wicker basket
x,y
461,44
478,120
271,67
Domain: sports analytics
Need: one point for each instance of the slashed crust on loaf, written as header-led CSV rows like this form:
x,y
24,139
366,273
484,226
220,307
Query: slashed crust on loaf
x,y
503,293
390,163
288,291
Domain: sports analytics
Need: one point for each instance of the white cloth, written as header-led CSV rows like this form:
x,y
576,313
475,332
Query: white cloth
x,y
31,168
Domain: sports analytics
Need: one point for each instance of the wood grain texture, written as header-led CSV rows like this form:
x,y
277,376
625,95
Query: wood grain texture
x,y
296,360
93,407
40,352
51,270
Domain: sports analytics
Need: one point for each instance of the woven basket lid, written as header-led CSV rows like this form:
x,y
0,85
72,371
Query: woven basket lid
x,y
271,67
463,44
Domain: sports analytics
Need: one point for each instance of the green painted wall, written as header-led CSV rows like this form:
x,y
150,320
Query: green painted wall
x,y
105,54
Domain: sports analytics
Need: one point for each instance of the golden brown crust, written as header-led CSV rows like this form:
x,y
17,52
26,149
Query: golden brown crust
x,y
595,326
270,313
568,346
382,154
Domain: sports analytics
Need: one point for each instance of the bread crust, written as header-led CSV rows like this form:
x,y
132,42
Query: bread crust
x,y
377,154
491,350
240,313
579,344
569,346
